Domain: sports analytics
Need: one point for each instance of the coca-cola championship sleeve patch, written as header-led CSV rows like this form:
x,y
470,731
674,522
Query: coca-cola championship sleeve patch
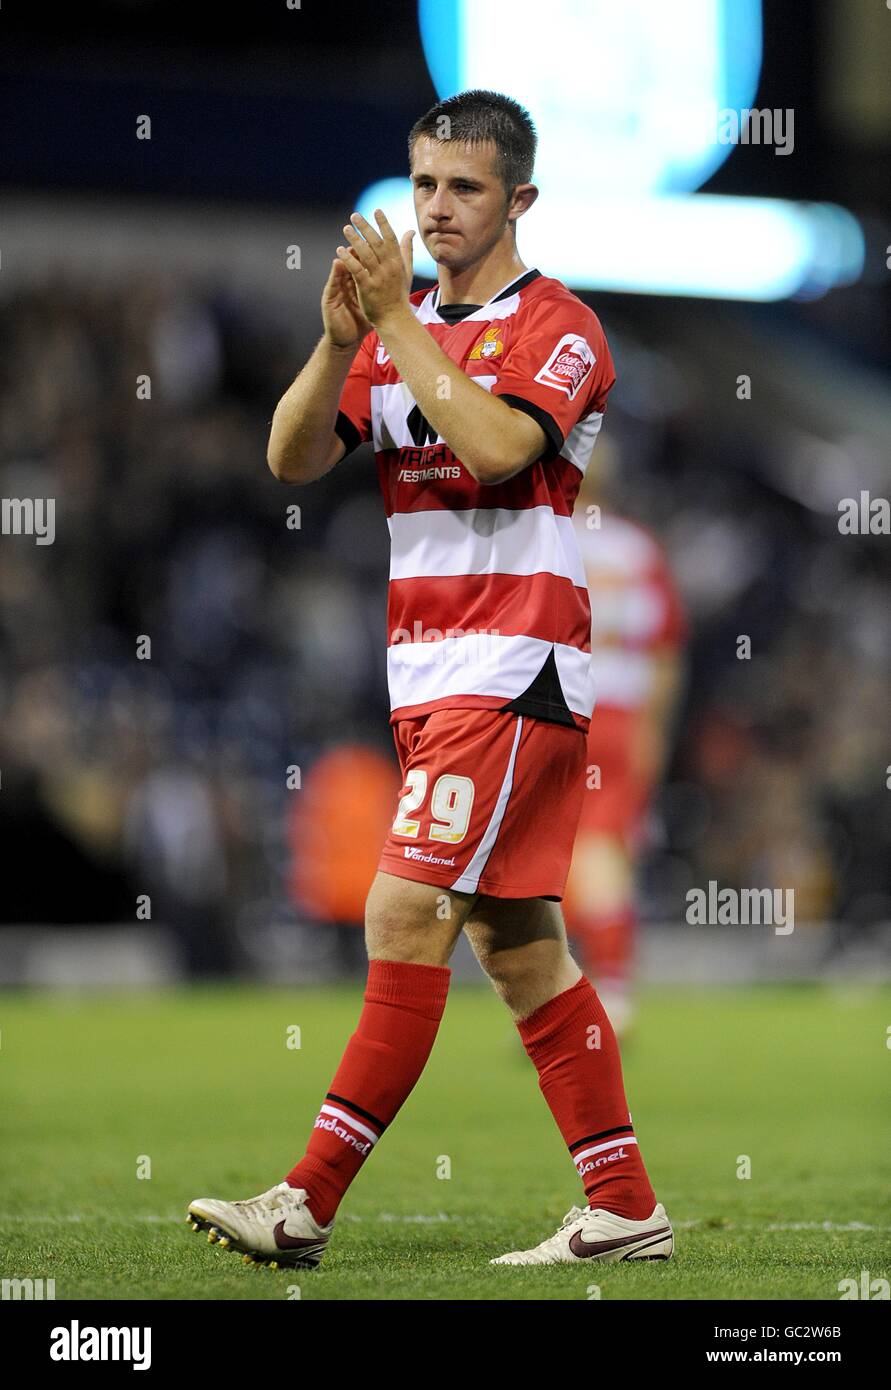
x,y
558,368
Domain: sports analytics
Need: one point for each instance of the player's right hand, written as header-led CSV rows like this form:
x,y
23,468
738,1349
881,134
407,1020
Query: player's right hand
x,y
345,324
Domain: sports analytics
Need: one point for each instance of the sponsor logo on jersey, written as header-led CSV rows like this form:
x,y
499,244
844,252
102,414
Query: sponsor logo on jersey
x,y
569,365
383,356
411,852
420,429
428,475
489,345
431,456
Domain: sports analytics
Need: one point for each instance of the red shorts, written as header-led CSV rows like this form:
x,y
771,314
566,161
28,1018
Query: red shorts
x,y
617,806
490,803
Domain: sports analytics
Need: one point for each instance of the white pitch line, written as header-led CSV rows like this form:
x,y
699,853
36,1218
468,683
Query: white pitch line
x,y
443,1218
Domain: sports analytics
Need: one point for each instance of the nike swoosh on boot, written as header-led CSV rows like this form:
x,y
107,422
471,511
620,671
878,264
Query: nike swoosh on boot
x,y
585,1249
286,1242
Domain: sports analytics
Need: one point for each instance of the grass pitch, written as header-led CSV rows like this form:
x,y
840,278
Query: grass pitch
x,y
201,1084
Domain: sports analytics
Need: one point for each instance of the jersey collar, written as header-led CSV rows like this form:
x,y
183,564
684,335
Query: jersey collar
x,y
513,287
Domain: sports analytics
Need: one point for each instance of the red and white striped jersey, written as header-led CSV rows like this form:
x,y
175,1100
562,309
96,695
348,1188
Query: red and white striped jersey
x,y
637,611
488,604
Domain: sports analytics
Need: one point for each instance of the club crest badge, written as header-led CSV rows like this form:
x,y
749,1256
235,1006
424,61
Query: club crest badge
x,y
489,345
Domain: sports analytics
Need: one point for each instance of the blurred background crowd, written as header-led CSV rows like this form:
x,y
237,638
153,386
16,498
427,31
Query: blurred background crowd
x,y
173,775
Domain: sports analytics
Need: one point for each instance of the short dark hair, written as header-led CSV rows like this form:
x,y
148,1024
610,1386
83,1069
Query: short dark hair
x,y
477,116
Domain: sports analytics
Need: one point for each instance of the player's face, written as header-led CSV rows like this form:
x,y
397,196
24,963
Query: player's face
x,y
460,202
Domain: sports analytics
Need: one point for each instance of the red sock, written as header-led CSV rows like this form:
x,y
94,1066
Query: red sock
x,y
582,1084
382,1062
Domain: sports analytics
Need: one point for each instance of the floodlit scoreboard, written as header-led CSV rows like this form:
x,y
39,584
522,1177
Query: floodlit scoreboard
x,y
636,105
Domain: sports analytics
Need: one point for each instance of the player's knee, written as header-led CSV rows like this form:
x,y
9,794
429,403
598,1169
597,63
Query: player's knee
x,y
524,987
497,970
411,925
516,972
389,936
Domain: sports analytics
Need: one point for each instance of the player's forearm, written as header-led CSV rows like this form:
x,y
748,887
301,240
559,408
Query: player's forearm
x,y
478,427
303,422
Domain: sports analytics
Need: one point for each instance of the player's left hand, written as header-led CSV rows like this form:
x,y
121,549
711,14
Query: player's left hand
x,y
381,266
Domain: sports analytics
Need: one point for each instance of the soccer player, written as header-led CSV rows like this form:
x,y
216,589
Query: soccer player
x,y
638,635
483,397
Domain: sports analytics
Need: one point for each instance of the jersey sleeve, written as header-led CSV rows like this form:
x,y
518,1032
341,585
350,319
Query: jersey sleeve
x,y
353,423
557,368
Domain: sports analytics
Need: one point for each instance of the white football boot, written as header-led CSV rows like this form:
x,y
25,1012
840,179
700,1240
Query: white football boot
x,y
593,1234
276,1229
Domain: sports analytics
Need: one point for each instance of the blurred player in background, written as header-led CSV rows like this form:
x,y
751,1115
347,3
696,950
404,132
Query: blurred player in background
x,y
347,797
483,397
638,636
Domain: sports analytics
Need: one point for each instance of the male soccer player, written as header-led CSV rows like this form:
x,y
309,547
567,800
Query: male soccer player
x,y
483,397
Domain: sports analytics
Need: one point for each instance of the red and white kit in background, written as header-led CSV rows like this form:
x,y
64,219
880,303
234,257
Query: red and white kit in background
x,y
489,621
637,616
638,619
